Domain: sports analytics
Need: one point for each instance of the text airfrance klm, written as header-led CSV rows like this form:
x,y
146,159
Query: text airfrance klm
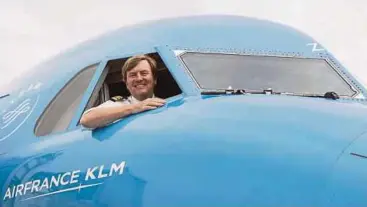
x,y
63,179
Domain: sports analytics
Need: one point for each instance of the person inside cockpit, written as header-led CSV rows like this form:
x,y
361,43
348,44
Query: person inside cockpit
x,y
139,75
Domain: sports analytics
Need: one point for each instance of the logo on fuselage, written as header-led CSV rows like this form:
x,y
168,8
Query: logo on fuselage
x,y
64,182
16,115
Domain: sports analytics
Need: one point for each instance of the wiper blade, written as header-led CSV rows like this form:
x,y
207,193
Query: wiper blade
x,y
222,91
236,91
328,95
3,96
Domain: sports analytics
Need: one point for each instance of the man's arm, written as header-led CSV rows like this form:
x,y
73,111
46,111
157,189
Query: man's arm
x,y
102,116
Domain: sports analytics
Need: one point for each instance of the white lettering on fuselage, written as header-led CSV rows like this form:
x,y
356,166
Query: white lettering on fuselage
x,y
315,47
64,179
31,88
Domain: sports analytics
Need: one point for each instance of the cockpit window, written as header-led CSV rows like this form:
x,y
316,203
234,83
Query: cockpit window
x,y
59,113
281,74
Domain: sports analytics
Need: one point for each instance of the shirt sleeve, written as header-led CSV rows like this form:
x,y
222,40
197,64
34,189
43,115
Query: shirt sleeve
x,y
108,103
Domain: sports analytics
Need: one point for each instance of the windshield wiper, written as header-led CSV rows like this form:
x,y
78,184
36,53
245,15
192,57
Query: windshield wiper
x,y
328,95
3,96
221,91
236,91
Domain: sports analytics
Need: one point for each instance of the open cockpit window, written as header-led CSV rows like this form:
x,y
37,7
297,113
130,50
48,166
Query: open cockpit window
x,y
111,83
63,109
216,71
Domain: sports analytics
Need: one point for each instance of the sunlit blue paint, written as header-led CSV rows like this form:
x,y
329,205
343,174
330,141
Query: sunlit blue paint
x,y
248,150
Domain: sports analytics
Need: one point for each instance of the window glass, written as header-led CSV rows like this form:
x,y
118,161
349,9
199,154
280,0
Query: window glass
x,y
61,110
282,74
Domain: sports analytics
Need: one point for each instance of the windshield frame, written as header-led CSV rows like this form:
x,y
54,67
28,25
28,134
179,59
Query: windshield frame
x,y
357,92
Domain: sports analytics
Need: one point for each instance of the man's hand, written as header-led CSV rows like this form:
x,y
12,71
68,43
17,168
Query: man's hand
x,y
101,116
148,104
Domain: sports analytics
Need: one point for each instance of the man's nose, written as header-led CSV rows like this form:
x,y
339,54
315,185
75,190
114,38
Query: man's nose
x,y
139,77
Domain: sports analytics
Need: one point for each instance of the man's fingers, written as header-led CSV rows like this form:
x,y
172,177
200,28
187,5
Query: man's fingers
x,y
149,107
159,100
154,104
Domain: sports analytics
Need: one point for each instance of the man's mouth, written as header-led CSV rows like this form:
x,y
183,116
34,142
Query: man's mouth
x,y
140,85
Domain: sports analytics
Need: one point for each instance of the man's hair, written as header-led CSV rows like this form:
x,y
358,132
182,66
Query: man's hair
x,y
134,61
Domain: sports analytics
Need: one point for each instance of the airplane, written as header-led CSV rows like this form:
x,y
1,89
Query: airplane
x,y
258,113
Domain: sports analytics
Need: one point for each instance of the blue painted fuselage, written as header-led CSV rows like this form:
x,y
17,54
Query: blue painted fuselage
x,y
198,150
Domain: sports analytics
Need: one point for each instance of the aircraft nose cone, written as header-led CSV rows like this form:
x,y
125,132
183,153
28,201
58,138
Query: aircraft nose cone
x,y
238,150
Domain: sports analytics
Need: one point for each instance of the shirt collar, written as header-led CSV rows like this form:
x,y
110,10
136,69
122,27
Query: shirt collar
x,y
132,99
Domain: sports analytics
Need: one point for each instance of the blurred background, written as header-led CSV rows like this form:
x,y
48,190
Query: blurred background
x,y
32,31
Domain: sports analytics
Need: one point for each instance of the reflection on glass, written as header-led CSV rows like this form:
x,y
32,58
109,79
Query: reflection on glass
x,y
282,74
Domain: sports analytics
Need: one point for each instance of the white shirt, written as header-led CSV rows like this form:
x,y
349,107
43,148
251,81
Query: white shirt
x,y
109,103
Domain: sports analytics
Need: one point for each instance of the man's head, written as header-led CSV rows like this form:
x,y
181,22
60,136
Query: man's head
x,y
139,75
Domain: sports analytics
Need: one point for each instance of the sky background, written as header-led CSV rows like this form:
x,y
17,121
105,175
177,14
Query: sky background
x,y
32,31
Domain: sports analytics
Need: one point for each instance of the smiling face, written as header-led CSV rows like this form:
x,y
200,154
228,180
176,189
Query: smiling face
x,y
140,79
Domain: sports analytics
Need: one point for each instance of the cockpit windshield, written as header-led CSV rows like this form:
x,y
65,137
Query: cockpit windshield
x,y
282,74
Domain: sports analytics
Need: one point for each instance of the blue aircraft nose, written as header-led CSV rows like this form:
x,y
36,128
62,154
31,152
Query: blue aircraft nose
x,y
238,150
